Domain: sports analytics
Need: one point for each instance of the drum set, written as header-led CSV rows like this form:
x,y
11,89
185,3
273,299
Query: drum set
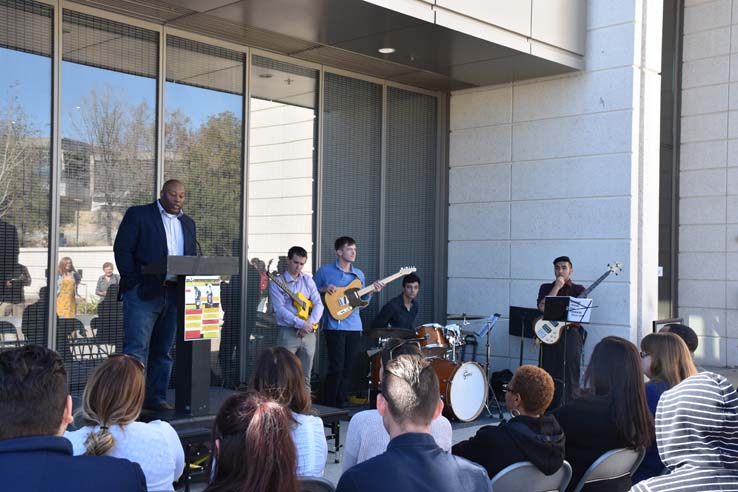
x,y
463,384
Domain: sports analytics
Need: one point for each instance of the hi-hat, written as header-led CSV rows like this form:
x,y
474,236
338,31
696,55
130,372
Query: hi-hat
x,y
464,316
387,332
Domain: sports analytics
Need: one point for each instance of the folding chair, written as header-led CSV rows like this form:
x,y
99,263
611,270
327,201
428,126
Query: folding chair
x,y
525,476
613,464
314,484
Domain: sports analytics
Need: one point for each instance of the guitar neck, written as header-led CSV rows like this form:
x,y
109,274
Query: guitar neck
x,y
596,283
370,288
282,285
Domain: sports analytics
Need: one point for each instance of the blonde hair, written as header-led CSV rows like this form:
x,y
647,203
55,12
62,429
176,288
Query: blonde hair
x,y
61,268
671,361
114,395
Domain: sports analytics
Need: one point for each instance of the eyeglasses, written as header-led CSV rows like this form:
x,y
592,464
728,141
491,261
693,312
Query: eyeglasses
x,y
644,354
129,357
506,388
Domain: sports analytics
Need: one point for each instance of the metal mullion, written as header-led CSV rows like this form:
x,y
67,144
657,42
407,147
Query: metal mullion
x,y
246,130
54,178
286,59
318,214
160,112
440,244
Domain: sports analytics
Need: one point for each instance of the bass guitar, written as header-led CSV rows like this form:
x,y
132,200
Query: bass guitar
x,y
303,305
344,300
549,332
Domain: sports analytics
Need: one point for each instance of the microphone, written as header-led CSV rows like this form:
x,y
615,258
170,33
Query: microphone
x,y
199,247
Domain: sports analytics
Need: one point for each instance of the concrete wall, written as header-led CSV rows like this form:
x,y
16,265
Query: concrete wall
x,y
562,165
708,178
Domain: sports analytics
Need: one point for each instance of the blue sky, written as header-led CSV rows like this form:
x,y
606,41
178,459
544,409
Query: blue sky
x,y
30,81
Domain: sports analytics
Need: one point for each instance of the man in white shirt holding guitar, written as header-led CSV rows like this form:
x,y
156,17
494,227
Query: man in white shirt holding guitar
x,y
553,356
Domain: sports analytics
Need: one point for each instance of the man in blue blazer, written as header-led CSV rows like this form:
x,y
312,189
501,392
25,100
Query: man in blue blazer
x,y
36,409
146,235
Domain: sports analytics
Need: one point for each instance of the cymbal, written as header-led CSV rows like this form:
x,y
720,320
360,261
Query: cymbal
x,y
387,332
464,316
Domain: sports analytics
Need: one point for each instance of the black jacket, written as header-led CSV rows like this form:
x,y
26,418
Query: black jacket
x,y
538,440
590,432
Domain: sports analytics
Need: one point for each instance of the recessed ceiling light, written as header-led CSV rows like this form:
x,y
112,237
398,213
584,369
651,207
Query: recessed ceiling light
x,y
386,51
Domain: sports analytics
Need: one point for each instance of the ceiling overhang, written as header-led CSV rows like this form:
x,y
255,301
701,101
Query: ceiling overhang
x,y
347,34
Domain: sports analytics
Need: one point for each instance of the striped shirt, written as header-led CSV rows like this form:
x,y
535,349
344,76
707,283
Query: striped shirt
x,y
697,436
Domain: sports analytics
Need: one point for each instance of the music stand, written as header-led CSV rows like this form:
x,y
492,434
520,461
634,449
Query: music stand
x,y
521,324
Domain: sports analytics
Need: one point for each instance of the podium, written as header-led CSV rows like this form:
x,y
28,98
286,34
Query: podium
x,y
192,362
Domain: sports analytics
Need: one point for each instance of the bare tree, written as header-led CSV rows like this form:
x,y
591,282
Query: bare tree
x,y
16,135
121,138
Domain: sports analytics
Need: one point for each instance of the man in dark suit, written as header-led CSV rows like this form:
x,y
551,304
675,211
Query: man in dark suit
x,y
36,409
147,234
413,462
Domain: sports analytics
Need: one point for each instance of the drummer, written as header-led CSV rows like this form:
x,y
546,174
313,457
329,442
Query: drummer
x,y
401,311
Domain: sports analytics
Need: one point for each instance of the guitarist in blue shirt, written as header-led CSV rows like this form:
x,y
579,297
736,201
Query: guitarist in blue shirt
x,y
342,336
553,356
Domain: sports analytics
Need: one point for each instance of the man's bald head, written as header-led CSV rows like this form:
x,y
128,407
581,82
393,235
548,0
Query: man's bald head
x,y
172,196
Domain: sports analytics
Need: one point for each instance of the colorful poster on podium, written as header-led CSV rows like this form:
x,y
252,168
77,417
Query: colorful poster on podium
x,y
203,315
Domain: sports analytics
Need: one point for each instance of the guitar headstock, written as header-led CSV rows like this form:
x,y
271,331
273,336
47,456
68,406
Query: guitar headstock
x,y
407,270
615,268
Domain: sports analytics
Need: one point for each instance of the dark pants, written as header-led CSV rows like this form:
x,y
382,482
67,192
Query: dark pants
x,y
342,348
552,360
149,330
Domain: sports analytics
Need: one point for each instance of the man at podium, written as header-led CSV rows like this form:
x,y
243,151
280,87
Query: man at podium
x,y
553,356
146,234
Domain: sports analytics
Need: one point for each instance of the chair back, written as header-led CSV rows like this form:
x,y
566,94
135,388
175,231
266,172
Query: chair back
x,y
613,464
525,476
315,484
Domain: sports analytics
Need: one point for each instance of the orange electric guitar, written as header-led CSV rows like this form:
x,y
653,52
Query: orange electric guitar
x,y
344,300
303,305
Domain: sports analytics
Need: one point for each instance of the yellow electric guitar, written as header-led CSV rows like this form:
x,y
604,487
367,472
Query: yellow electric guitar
x,y
344,300
303,305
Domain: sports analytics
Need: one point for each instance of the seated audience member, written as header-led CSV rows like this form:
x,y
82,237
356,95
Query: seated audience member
x,y
667,362
278,374
367,437
697,435
685,333
612,414
253,450
111,402
413,461
528,436
36,409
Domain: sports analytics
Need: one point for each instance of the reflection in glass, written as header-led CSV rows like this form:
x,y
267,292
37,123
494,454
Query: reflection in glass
x,y
25,150
203,148
108,113
282,163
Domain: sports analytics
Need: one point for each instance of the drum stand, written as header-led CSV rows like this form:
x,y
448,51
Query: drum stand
x,y
488,328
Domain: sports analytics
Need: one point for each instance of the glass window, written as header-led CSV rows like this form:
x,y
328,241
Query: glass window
x,y
203,145
26,33
108,130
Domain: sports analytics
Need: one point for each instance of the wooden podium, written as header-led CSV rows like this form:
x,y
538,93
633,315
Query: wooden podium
x,y
192,361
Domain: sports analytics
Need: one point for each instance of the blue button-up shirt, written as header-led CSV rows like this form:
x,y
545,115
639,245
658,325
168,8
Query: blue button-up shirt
x,y
332,274
284,310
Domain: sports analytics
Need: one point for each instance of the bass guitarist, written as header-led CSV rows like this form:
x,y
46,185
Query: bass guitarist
x,y
342,336
295,333
563,360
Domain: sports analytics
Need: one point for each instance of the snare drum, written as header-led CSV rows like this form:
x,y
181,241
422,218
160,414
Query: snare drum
x,y
463,388
433,342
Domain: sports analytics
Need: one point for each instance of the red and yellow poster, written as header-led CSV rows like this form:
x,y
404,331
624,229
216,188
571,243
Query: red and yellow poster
x,y
203,315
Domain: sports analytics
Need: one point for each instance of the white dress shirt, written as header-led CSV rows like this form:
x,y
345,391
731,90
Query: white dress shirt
x,y
173,231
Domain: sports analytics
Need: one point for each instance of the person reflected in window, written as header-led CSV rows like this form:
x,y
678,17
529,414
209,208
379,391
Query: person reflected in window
x,y
67,279
107,279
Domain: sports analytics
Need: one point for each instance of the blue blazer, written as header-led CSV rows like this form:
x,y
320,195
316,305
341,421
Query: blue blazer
x,y
46,463
140,241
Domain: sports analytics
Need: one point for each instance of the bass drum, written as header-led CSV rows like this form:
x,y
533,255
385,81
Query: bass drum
x,y
463,388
